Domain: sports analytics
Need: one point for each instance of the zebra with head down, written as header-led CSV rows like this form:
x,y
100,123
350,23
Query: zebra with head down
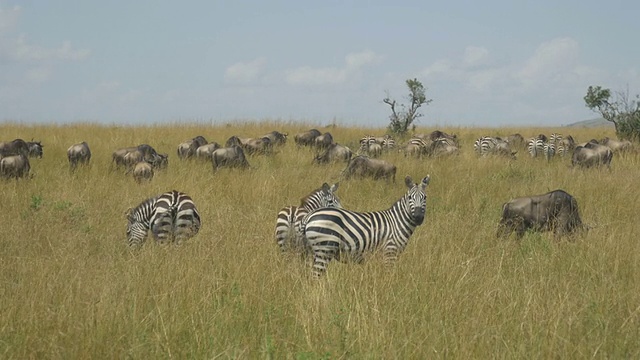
x,y
288,233
171,217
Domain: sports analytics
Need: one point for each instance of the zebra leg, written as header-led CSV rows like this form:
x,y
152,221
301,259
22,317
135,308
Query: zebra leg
x,y
390,254
161,228
321,259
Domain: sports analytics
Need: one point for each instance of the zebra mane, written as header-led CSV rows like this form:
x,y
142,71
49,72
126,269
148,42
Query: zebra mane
x,y
143,204
325,187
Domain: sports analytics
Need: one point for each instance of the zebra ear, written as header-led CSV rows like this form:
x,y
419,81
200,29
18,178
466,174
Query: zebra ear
x,y
326,187
128,213
334,187
408,181
425,181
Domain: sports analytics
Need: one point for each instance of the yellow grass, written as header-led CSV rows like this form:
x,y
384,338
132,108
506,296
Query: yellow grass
x,y
70,287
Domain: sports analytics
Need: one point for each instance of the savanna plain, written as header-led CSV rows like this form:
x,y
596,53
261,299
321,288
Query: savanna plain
x,y
71,288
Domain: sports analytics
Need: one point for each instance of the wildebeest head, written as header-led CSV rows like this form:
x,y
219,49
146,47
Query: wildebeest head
x,y
35,149
416,199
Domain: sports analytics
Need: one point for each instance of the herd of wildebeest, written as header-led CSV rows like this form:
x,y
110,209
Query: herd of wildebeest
x,y
555,211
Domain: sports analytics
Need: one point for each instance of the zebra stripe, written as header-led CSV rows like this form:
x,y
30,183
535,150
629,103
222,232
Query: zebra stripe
x,y
332,233
535,147
484,145
171,216
555,138
288,233
549,150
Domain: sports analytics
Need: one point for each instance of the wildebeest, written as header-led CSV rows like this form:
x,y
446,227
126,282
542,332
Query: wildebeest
x,y
363,166
187,149
442,147
35,149
437,134
205,151
14,147
229,157
255,146
277,138
555,211
617,146
143,171
149,154
335,152
14,166
323,141
78,154
591,154
307,138
516,141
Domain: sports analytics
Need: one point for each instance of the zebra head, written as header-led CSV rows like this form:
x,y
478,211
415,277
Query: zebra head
x,y
416,199
322,197
136,227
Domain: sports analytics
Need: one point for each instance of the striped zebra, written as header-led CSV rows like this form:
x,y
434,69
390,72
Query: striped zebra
x,y
388,142
484,145
334,233
549,150
288,233
535,147
171,216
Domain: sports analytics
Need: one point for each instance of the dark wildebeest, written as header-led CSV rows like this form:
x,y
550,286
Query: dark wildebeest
x,y
258,146
143,171
592,154
437,134
617,146
15,147
14,166
307,138
234,140
205,151
147,151
277,138
188,148
363,166
229,157
78,154
323,141
442,147
35,149
516,141
335,152
555,211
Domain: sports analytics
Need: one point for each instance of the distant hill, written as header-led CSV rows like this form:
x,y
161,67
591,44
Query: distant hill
x,y
598,122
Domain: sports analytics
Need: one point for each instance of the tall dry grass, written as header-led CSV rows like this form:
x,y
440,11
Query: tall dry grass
x,y
70,287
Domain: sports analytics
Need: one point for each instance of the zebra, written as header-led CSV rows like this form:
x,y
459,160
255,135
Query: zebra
x,y
484,145
171,216
388,142
549,150
535,147
332,233
288,233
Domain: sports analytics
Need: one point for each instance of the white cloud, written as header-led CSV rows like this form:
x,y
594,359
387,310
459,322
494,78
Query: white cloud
x,y
475,56
307,75
39,74
359,59
550,60
9,18
315,76
245,72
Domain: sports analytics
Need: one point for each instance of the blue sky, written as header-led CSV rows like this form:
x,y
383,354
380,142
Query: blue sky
x,y
489,63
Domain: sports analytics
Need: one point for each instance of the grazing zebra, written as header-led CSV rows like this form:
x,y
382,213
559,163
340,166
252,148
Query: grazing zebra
x,y
388,143
288,233
333,233
484,145
535,147
549,150
171,216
